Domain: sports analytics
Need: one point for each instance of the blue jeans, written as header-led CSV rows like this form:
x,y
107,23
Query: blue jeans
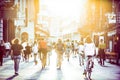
x,y
16,62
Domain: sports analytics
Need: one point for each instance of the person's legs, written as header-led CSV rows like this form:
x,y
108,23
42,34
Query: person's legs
x,y
80,59
100,57
35,60
40,55
1,60
35,55
16,64
44,59
85,65
28,56
118,58
58,59
6,53
61,58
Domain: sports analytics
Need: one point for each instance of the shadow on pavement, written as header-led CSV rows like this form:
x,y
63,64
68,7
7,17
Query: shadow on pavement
x,y
11,77
59,75
105,66
36,75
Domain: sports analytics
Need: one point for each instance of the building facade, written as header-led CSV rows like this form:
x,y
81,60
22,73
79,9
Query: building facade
x,y
18,19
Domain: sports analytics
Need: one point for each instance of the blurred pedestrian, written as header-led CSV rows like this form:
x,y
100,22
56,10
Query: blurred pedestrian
x,y
2,52
24,44
68,49
81,53
43,52
72,47
101,52
16,50
8,48
75,48
35,51
27,52
90,52
118,52
60,50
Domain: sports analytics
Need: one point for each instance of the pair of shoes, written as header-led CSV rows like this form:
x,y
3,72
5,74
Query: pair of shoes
x,y
92,65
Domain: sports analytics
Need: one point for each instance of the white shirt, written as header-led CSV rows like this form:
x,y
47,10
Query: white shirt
x,y
35,49
24,45
89,49
75,45
7,45
80,48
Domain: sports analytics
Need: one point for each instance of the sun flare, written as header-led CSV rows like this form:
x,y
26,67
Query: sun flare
x,y
66,8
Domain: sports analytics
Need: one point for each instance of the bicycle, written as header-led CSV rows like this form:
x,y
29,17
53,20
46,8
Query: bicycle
x,y
89,66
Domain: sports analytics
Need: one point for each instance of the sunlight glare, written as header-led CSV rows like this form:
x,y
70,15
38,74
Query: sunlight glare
x,y
66,8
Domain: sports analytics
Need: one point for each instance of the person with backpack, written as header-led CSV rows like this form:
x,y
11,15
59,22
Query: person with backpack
x,y
60,50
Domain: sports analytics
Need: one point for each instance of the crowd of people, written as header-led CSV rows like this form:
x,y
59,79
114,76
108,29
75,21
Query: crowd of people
x,y
42,48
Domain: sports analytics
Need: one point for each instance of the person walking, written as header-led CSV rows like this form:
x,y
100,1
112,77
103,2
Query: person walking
x,y
2,52
43,52
101,52
16,50
60,50
81,53
35,51
8,48
89,50
24,44
68,49
27,52
117,50
75,48
72,48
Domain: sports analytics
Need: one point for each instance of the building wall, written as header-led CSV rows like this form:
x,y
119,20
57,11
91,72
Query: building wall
x,y
1,29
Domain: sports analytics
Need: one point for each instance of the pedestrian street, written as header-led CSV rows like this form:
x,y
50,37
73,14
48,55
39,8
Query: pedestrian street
x,y
69,71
